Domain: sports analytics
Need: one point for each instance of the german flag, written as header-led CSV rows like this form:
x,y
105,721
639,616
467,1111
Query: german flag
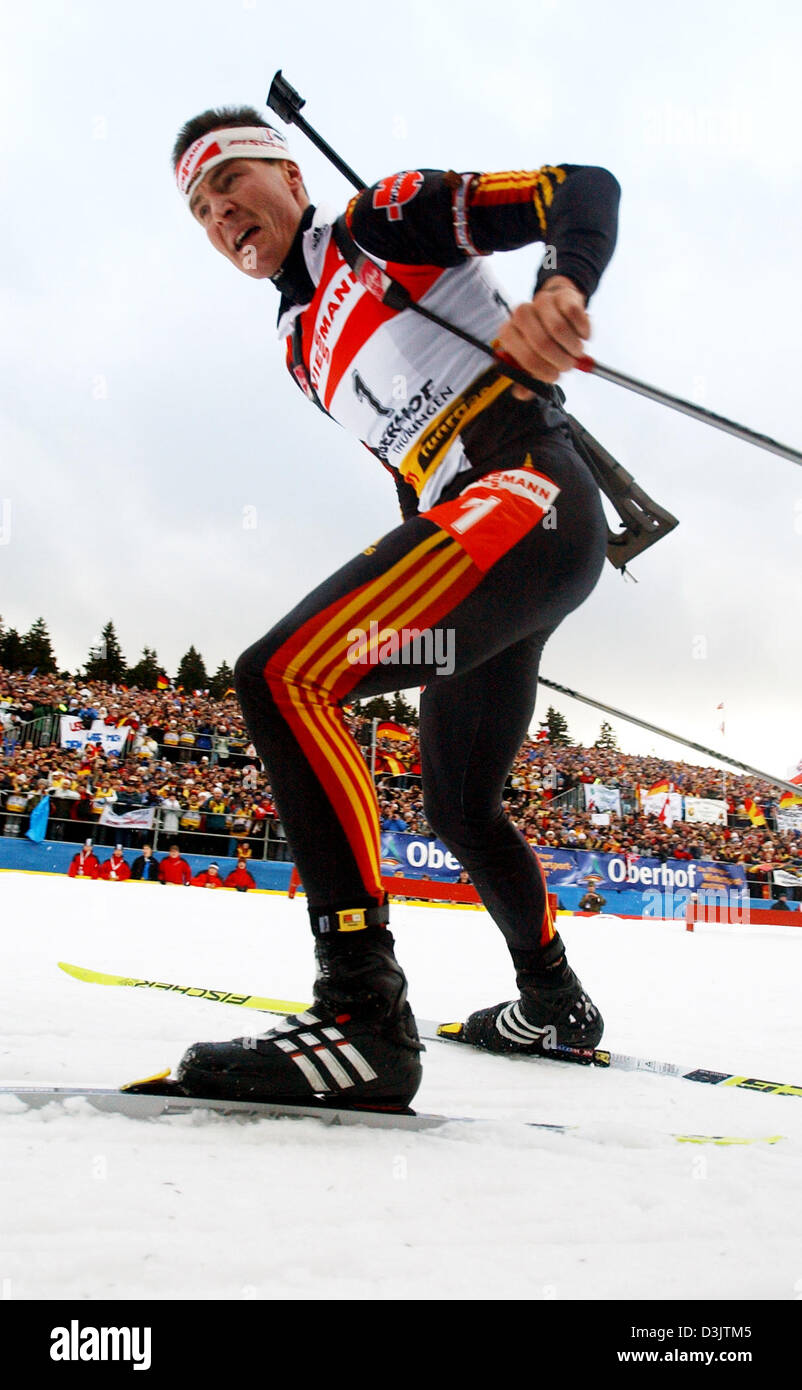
x,y
385,762
659,787
162,683
390,730
754,812
789,799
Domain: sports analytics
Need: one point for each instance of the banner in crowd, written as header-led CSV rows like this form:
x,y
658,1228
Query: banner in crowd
x,y
786,879
76,737
586,868
790,820
601,798
705,810
139,819
667,806
415,856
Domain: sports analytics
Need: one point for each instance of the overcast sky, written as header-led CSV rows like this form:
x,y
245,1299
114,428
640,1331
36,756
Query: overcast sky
x,y
160,468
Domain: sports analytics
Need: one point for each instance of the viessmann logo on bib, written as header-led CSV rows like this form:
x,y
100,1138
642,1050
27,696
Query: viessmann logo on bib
x,y
495,513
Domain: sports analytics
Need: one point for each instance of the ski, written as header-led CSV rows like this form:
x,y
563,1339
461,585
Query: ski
x,y
431,1031
623,1061
216,996
156,1099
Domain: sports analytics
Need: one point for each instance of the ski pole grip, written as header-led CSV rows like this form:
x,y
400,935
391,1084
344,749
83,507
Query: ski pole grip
x,y
585,364
283,99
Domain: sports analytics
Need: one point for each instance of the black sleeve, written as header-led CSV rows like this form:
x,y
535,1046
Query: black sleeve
x,y
407,497
427,217
407,218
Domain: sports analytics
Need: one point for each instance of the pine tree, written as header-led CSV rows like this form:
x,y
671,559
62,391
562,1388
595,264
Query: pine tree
x,y
38,652
222,680
402,711
607,738
12,648
377,708
146,672
192,671
396,708
557,725
106,661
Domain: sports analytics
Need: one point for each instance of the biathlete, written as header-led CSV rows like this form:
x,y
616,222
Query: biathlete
x,y
503,535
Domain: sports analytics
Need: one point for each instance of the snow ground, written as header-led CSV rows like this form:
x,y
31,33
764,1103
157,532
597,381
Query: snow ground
x,y
98,1206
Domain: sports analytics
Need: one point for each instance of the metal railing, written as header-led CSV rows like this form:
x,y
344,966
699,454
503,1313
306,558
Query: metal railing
x,y
35,733
266,840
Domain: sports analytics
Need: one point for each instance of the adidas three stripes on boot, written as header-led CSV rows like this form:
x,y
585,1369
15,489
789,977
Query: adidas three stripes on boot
x,y
553,1009
356,1046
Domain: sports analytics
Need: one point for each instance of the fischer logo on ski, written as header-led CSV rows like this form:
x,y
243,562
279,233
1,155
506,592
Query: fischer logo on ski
x,y
453,1032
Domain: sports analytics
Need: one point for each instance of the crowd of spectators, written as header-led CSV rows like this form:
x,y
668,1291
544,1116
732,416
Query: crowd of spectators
x,y
187,756
147,867
190,758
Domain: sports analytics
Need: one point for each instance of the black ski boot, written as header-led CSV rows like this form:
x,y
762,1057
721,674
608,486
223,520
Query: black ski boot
x,y
357,1046
553,1011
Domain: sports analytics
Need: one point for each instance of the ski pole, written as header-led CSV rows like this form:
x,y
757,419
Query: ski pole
x,y
666,733
696,412
287,103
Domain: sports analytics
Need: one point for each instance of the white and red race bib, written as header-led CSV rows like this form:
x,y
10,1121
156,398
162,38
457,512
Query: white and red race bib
x,y
495,513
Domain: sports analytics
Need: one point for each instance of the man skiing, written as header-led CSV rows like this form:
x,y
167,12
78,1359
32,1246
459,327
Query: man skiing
x,y
503,535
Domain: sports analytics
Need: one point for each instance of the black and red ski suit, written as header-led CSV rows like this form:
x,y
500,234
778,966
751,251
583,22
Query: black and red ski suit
x,y
503,531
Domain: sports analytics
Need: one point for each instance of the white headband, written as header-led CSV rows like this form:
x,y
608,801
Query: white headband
x,y
237,142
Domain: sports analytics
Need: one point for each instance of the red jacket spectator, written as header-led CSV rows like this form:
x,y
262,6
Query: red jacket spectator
x,y
240,878
115,869
210,878
84,863
174,869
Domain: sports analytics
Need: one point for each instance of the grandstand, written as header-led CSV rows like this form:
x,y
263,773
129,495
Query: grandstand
x,y
125,765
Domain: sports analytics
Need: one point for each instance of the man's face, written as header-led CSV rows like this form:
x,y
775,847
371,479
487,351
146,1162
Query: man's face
x,y
250,210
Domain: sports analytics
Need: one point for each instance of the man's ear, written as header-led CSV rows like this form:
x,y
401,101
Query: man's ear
x,y
294,177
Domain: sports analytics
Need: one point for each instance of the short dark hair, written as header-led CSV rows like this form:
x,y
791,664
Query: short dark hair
x,y
215,119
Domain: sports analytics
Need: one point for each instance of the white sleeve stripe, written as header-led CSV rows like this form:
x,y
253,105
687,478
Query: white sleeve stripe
x,y
462,231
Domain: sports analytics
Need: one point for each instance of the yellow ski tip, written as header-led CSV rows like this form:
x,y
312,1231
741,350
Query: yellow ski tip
x,y
93,977
75,970
147,1080
725,1139
450,1030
